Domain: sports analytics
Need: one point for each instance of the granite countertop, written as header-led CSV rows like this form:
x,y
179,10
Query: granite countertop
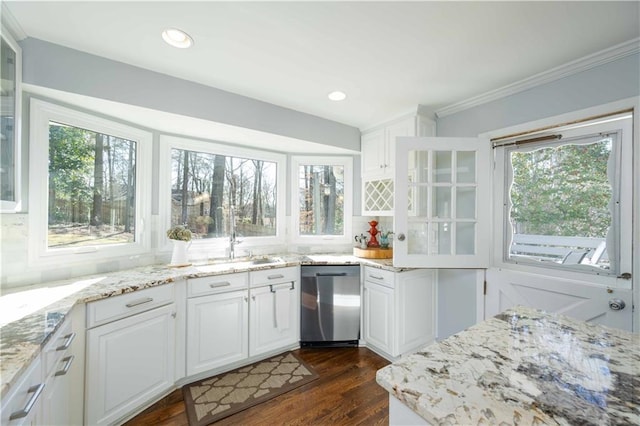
x,y
523,366
30,315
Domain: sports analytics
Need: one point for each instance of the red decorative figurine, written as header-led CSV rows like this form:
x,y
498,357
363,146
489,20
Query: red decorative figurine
x,y
373,242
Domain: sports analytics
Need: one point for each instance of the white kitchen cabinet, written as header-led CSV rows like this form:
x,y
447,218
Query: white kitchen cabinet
x,y
217,330
399,310
130,361
22,405
378,161
59,365
274,313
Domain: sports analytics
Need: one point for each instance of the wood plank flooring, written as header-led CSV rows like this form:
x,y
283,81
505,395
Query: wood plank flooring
x,y
345,394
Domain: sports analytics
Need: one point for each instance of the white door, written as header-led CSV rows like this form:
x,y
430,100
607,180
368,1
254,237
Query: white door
x,y
416,309
563,223
441,213
274,322
129,362
56,402
216,330
378,316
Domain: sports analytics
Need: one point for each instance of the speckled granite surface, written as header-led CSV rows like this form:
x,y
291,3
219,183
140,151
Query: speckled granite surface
x,y
523,367
22,337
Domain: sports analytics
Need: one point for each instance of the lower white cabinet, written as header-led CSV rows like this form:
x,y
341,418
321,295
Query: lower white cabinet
x,y
399,310
217,330
22,405
274,320
129,362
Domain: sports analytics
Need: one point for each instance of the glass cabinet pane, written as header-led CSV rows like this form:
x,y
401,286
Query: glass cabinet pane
x,y
7,122
417,237
441,238
465,202
465,238
466,167
442,202
442,166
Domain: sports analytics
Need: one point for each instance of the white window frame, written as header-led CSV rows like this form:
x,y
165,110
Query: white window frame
x,y
41,113
15,206
347,163
213,247
500,247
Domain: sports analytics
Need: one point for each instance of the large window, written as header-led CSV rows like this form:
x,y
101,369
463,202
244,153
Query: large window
x,y
565,197
322,197
86,193
217,190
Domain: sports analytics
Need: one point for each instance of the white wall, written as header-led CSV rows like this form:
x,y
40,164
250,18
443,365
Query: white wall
x,y
606,83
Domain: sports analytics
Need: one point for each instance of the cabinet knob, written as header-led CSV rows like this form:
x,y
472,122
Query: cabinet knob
x,y
401,237
616,304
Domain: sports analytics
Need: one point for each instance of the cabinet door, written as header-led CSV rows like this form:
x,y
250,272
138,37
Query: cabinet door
x,y
216,330
129,362
378,316
271,329
416,309
441,212
373,150
56,403
402,128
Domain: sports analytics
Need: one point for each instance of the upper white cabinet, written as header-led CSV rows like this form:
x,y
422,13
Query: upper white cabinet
x,y
441,216
378,161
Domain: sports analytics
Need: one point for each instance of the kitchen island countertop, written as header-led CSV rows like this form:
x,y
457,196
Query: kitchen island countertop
x,y
30,315
523,366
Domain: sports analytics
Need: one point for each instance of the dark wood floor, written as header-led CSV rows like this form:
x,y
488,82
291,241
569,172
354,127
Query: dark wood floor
x,y
345,394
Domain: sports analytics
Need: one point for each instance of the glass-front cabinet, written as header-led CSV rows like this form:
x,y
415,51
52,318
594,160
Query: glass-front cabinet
x,y
441,219
10,73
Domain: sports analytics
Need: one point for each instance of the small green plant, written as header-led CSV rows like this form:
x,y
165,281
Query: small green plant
x,y
180,233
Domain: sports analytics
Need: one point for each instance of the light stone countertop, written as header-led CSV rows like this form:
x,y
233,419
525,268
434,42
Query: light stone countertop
x,y
30,315
523,367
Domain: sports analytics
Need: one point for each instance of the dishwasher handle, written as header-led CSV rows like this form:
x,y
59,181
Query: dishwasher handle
x,y
331,274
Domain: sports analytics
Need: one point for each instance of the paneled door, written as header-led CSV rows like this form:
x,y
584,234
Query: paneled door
x,y
574,298
441,214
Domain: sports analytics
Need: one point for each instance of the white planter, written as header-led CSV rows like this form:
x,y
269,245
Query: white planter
x,y
179,255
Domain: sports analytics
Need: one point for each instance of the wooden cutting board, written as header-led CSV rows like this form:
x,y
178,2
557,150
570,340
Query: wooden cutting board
x,y
373,253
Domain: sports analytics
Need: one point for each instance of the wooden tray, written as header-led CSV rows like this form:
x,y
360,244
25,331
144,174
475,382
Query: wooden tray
x,y
373,253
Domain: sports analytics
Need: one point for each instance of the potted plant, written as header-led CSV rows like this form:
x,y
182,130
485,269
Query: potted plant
x,y
181,237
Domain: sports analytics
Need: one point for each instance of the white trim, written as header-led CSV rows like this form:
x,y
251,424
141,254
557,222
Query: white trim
x,y
610,54
39,254
16,205
347,163
214,245
12,23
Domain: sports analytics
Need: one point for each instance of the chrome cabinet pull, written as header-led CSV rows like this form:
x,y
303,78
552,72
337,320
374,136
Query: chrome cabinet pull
x,y
67,364
36,390
375,277
293,287
69,338
220,284
275,277
139,302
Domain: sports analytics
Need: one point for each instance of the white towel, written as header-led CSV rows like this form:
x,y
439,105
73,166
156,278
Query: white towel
x,y
281,307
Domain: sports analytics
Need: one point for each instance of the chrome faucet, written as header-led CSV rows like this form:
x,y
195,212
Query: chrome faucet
x,y
233,241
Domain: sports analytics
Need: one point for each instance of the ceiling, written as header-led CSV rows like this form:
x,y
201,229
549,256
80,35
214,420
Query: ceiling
x,y
389,57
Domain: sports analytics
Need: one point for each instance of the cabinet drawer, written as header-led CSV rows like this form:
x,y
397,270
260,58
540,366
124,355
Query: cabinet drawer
x,y
22,404
217,284
59,345
379,276
274,276
113,308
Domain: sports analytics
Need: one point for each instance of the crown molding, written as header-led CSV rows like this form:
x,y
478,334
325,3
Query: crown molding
x,y
11,23
591,61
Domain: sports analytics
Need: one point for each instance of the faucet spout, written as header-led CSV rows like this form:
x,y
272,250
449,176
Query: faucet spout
x,y
233,241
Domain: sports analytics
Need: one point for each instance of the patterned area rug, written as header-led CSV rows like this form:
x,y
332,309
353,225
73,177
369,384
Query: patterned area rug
x,y
220,396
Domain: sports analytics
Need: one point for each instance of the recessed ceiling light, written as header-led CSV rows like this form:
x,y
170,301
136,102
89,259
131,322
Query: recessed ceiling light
x,y
337,96
177,38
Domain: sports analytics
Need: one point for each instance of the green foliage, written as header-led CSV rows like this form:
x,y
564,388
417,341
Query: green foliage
x,y
562,190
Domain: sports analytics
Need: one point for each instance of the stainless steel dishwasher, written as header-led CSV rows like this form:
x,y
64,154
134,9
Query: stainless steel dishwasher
x,y
330,305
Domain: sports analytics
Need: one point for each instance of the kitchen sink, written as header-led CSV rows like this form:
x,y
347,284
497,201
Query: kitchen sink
x,y
223,265
265,260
